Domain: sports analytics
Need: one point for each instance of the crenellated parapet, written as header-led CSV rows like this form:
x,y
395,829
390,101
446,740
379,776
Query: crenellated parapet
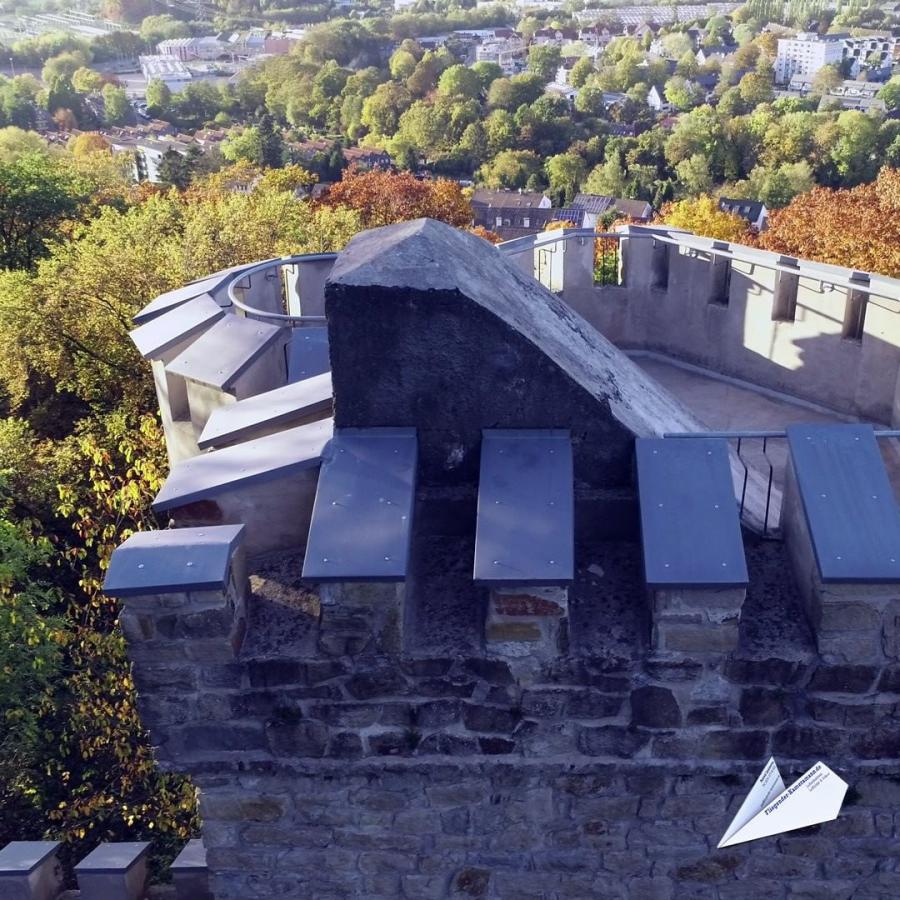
x,y
462,616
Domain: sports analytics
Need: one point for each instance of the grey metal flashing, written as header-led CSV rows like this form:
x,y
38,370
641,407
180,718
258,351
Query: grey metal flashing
x,y
262,459
305,399
173,561
164,302
20,858
191,859
221,355
362,516
851,513
525,524
307,353
113,859
167,330
690,524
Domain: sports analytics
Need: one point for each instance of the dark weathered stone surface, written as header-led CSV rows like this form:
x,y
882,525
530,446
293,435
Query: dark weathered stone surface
x,y
415,309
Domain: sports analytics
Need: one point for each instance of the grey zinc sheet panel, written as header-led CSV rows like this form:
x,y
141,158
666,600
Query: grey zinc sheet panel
x,y
690,524
164,302
261,459
165,331
225,351
23,857
172,561
525,525
192,857
853,519
237,421
308,353
110,859
362,517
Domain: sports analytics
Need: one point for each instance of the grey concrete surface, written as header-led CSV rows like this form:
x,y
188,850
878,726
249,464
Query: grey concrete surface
x,y
725,405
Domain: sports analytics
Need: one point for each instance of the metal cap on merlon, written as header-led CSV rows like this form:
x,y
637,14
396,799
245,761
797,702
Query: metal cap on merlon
x,y
172,561
111,859
19,858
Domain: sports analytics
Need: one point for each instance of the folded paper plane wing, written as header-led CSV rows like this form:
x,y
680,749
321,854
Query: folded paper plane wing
x,y
770,808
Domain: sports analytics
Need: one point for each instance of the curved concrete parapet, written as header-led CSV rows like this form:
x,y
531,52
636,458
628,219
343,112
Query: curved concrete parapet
x,y
268,484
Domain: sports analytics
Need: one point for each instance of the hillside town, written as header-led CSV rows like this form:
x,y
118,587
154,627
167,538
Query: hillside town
x,y
642,105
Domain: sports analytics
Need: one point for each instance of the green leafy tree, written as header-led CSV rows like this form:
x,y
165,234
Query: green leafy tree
x,y
461,82
36,196
607,179
271,144
116,108
565,172
511,169
581,71
162,28
159,98
890,94
544,60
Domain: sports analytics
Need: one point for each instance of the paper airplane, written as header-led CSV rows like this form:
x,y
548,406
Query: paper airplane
x,y
771,808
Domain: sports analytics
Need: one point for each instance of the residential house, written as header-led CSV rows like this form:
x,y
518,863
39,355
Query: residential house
x,y
655,99
595,206
511,213
754,212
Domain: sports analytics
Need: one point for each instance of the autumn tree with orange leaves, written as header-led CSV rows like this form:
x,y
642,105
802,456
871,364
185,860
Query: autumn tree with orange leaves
x,y
382,198
858,228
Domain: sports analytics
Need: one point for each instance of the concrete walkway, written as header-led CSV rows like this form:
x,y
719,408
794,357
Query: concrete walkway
x,y
728,406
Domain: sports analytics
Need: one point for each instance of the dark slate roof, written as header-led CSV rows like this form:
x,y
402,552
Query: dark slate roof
x,y
746,209
593,203
173,561
508,199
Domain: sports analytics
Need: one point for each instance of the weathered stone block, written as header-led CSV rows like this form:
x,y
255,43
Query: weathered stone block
x,y
359,617
654,707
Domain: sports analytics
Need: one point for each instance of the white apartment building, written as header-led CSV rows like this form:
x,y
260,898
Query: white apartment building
x,y
806,54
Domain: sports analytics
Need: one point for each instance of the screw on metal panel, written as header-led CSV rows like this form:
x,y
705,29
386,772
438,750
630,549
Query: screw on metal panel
x,y
141,565
552,562
823,496
496,562
496,502
839,557
324,559
874,496
387,558
665,565
659,505
715,506
189,564
724,565
552,503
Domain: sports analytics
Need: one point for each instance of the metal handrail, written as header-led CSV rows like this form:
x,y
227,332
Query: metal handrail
x,y
826,278
264,267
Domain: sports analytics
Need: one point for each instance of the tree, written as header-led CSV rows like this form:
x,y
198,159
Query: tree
x,y
89,142
858,227
827,79
544,60
461,82
693,175
487,72
703,216
382,110
565,172
681,93
116,108
511,169
381,198
402,64
159,98
36,196
162,28
608,179
756,88
86,80
64,66
511,93
581,71
271,144
16,142
890,94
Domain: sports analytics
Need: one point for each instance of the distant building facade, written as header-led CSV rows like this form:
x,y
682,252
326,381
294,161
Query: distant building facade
x,y
806,54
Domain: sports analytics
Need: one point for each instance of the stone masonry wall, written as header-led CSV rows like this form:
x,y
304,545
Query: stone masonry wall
x,y
330,770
